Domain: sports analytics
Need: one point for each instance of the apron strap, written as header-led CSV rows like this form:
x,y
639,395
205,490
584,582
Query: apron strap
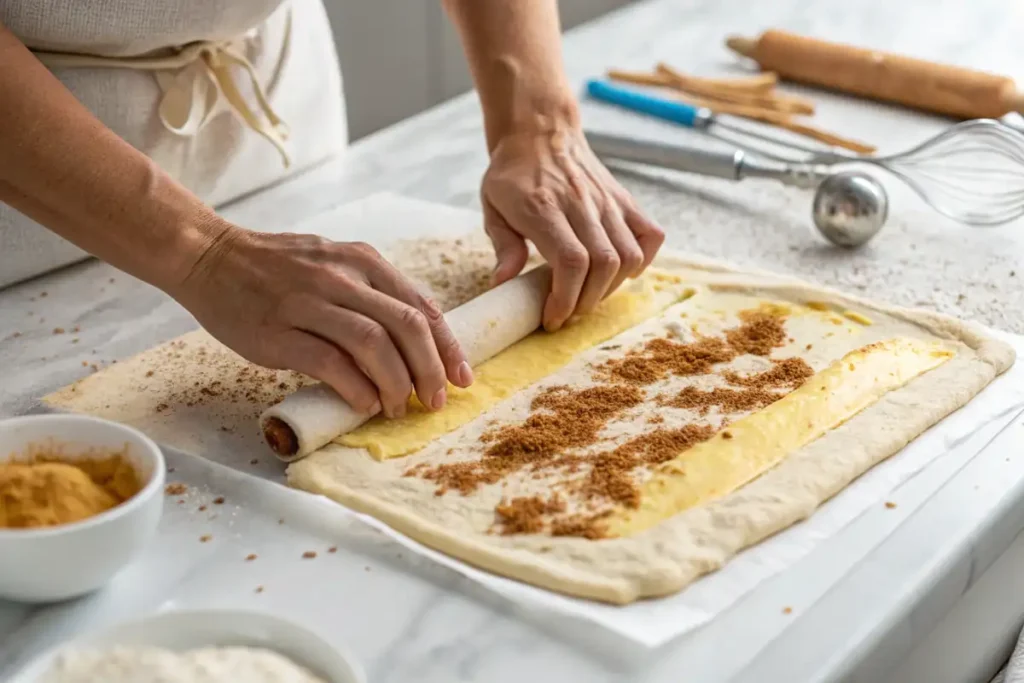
x,y
198,81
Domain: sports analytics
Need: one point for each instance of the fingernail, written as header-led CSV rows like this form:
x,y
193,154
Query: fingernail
x,y
400,410
439,399
375,408
465,374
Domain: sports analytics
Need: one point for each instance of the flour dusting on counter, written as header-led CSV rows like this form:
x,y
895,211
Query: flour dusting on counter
x,y
155,665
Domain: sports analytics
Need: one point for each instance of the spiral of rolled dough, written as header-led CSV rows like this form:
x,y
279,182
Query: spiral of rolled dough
x,y
315,415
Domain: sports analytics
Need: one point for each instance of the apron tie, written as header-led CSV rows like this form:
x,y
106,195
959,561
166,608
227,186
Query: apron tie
x,y
198,83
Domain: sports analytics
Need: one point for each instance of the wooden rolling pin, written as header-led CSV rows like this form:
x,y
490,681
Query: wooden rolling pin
x,y
939,88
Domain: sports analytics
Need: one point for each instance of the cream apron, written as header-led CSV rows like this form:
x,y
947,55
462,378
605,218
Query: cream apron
x,y
228,96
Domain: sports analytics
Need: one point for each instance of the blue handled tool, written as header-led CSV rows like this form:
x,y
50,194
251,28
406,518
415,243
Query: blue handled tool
x,y
699,118
676,112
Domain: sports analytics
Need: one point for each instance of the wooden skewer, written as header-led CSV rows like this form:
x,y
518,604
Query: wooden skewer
x,y
765,100
665,80
640,78
763,82
739,101
782,120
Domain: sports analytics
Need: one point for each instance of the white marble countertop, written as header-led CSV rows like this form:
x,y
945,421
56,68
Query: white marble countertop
x,y
435,626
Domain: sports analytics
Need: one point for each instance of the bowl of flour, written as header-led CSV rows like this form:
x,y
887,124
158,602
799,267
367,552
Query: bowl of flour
x,y
201,646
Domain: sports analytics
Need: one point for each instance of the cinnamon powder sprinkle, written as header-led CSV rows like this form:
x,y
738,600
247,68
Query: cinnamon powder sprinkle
x,y
784,373
662,357
727,400
250,557
525,515
564,421
758,335
569,419
309,555
175,489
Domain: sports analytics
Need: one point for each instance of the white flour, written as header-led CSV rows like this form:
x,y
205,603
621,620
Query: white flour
x,y
154,665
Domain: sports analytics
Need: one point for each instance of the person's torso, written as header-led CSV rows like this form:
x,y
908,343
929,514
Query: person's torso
x,y
126,28
179,115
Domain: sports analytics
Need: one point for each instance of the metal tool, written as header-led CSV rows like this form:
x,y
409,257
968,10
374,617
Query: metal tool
x,y
972,172
849,208
698,118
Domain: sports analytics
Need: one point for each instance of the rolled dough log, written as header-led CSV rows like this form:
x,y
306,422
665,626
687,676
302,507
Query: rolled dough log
x,y
313,416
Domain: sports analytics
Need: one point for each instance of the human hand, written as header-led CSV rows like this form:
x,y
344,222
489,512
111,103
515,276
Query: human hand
x,y
549,187
337,312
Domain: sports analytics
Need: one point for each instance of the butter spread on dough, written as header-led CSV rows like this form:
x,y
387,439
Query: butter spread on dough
x,y
520,365
752,445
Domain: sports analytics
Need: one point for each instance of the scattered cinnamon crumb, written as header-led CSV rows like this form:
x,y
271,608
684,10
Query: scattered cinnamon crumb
x,y
889,504
726,434
728,400
202,508
149,373
250,557
758,335
58,330
219,500
206,538
175,489
309,555
787,610
254,461
659,358
333,549
43,295
784,373
259,589
525,514
566,419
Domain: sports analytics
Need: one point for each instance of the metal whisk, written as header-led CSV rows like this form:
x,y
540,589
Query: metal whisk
x,y
972,172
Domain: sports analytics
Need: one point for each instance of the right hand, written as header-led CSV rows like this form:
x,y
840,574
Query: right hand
x,y
336,311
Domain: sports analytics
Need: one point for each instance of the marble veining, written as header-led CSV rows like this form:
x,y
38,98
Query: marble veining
x,y
435,626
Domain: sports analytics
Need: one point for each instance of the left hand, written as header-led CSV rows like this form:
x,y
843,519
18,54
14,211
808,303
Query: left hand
x,y
549,187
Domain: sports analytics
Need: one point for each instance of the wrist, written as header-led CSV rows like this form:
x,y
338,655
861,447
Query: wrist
x,y
191,246
533,109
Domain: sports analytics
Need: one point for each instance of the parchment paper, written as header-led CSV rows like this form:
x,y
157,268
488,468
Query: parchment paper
x,y
649,623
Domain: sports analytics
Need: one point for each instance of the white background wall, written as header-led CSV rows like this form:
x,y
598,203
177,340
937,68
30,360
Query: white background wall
x,y
400,57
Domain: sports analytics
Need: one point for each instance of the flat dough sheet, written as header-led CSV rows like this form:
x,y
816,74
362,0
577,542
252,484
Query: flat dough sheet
x,y
667,556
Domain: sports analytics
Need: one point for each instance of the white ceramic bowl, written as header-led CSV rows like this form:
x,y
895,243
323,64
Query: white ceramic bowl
x,y
187,630
61,562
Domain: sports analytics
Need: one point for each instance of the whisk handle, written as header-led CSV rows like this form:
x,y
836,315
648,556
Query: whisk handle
x,y
719,163
667,110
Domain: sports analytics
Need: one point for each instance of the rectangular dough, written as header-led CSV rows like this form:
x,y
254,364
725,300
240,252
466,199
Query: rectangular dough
x,y
419,494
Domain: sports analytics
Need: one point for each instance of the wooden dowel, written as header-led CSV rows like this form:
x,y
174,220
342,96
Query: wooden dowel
x,y
764,100
782,120
639,78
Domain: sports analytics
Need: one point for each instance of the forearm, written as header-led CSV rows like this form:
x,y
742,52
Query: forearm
x,y
62,167
514,53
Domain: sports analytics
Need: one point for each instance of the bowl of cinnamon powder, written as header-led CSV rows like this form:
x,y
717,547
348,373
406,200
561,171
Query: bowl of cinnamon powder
x,y
80,497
